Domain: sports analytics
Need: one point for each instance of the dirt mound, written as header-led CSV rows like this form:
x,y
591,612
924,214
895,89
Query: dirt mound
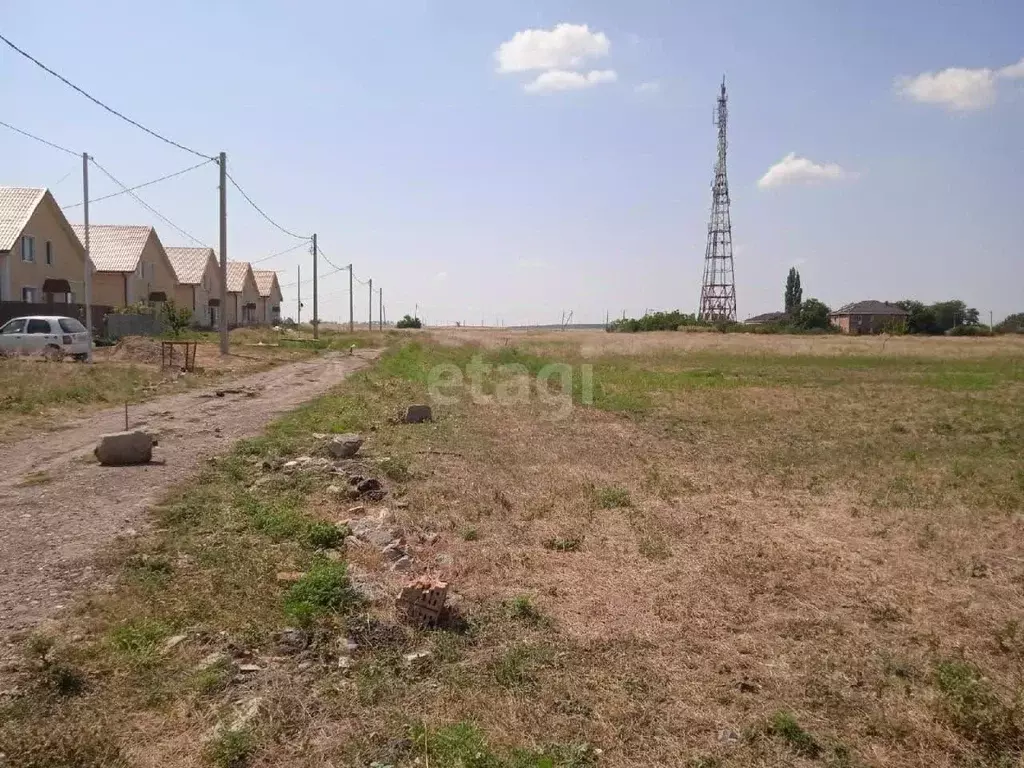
x,y
136,349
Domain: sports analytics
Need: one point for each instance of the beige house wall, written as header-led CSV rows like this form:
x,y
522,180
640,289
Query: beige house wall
x,y
108,289
197,297
237,301
46,226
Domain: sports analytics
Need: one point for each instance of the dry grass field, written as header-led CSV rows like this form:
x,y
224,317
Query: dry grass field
x,y
745,551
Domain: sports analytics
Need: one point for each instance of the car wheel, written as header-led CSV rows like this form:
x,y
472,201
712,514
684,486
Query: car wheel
x,y
53,353
81,358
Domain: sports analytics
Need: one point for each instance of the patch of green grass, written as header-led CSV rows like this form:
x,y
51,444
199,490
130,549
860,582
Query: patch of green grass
x,y
321,534
139,639
323,589
564,543
463,745
522,608
517,667
470,534
611,497
977,711
148,570
395,468
231,749
784,725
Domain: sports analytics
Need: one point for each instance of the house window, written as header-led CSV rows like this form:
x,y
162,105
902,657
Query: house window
x,y
28,248
49,253
28,295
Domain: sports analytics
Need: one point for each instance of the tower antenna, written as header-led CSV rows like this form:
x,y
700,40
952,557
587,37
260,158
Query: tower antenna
x,y
718,288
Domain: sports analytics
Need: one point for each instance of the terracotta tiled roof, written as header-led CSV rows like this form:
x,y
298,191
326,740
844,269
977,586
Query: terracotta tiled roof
x,y
870,307
265,281
237,271
17,204
114,247
189,263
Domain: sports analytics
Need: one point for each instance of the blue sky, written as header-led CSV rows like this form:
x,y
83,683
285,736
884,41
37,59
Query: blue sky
x,y
388,129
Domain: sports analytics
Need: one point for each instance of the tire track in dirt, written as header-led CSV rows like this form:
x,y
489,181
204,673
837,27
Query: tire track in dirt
x,y
51,528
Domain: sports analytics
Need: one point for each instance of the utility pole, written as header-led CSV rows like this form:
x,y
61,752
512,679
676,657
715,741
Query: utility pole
x,y
991,327
316,317
371,304
224,253
88,260
299,289
351,303
380,309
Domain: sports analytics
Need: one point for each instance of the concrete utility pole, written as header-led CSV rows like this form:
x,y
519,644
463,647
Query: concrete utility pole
x,y
380,309
351,303
299,289
371,304
88,260
223,253
316,317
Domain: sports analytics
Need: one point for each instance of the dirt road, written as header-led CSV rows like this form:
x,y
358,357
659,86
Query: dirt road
x,y
57,508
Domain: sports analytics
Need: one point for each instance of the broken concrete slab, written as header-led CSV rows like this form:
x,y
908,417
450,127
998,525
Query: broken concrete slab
x,y
119,449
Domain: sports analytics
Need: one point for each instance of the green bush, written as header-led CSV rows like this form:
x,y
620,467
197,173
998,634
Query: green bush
x,y
409,322
323,589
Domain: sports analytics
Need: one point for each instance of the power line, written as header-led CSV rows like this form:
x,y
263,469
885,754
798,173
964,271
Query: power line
x,y
279,253
320,251
148,207
96,101
41,141
310,280
262,213
146,184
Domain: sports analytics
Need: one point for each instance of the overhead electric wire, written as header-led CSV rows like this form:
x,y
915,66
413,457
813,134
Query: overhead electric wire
x,y
41,141
310,280
279,253
261,212
326,258
96,101
147,206
146,184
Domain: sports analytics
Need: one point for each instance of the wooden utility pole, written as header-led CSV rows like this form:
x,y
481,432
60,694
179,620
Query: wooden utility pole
x,y
88,261
380,309
299,289
371,305
224,253
316,316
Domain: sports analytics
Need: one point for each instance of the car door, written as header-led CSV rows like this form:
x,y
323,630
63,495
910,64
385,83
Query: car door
x,y
11,335
38,334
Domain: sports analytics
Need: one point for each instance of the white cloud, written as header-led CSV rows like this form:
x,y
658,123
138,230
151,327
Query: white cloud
x,y
651,87
563,80
958,88
563,46
440,276
1013,71
955,88
793,169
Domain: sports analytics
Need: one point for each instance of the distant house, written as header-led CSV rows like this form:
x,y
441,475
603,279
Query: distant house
x,y
867,316
198,288
131,265
41,259
268,307
766,319
243,294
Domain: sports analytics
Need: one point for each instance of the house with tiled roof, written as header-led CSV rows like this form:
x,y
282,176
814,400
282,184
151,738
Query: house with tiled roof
x,y
41,260
268,307
131,265
868,316
243,295
198,274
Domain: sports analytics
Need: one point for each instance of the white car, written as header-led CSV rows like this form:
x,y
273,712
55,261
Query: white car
x,y
49,335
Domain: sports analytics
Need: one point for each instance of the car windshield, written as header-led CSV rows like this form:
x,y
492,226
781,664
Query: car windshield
x,y
15,326
70,325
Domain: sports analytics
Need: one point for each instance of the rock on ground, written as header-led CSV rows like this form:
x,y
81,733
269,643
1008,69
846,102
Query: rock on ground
x,y
345,446
119,449
416,414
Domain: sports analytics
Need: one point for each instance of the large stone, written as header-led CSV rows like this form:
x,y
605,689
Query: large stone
x,y
345,446
416,414
123,448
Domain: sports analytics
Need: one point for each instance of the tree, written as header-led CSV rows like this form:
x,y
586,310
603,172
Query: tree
x,y
1012,324
920,318
409,322
176,319
813,314
794,293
